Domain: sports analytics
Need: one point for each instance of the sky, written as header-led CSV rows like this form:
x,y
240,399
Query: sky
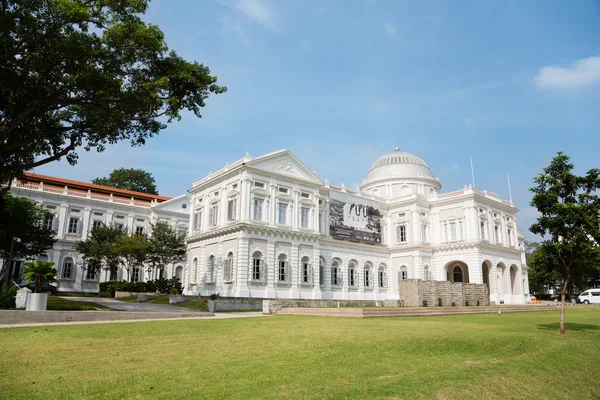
x,y
339,83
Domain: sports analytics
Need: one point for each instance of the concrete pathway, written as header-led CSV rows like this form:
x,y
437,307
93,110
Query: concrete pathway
x,y
126,306
216,316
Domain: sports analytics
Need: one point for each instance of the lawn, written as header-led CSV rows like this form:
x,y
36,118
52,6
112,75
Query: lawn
x,y
56,303
491,356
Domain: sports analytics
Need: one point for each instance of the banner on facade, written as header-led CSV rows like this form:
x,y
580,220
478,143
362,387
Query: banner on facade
x,y
352,217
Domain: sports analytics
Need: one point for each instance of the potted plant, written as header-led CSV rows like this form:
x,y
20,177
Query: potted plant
x,y
41,273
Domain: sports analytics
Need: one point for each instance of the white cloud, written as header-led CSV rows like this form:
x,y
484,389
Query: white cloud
x,y
390,29
258,11
306,46
232,26
582,73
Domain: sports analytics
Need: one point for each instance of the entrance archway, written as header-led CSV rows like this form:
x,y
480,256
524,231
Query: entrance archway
x,y
486,273
457,271
514,282
503,279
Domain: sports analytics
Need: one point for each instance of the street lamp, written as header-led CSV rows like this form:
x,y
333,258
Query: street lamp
x,y
10,256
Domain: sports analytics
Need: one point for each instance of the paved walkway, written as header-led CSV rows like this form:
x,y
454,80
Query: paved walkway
x,y
126,306
216,316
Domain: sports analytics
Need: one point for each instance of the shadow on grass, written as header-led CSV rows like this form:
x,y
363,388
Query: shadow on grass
x,y
569,327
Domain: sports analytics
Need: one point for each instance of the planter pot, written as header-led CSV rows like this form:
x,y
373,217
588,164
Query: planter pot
x,y
37,302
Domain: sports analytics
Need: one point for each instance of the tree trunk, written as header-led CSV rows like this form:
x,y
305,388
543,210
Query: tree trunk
x,y
562,307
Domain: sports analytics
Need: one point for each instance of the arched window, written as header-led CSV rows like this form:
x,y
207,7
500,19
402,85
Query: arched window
x,y
257,267
368,275
67,269
403,273
43,258
352,281
426,273
321,271
336,276
178,272
228,268
382,277
282,268
305,265
457,273
211,269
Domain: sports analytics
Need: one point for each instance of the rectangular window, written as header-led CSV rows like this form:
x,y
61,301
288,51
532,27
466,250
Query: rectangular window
x,y
424,233
496,234
259,185
90,274
509,234
401,233
305,195
213,216
304,272
231,210
283,190
67,270
256,269
460,231
257,209
281,271
351,273
367,278
482,230
113,274
334,275
452,232
49,222
120,225
198,220
96,224
321,275
282,219
135,276
73,225
139,230
381,279
304,217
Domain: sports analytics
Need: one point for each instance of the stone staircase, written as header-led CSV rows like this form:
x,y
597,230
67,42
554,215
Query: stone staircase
x,y
411,311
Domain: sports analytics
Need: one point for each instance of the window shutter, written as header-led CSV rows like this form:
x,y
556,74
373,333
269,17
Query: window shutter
x,y
261,269
310,273
55,224
288,272
79,225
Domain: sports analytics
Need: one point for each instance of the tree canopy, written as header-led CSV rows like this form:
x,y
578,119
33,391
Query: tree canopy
x,y
137,180
23,227
167,246
86,74
100,250
569,223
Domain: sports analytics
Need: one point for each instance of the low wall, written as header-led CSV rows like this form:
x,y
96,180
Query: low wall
x,y
273,306
118,295
27,317
414,292
233,304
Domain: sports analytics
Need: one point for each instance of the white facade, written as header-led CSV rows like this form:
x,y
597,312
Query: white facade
x,y
260,228
78,206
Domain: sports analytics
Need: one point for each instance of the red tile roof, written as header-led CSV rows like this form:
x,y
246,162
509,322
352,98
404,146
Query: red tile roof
x,y
51,180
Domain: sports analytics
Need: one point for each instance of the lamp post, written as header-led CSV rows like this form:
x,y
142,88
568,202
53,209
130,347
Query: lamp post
x,y
10,257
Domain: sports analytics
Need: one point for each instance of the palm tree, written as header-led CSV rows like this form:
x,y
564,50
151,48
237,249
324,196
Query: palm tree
x,y
40,272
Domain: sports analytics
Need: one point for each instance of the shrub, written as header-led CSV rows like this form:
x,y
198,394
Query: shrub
x,y
214,296
109,288
173,291
7,296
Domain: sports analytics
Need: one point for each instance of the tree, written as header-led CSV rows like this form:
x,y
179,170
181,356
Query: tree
x,y
40,272
80,73
133,251
166,247
569,223
137,180
100,250
23,232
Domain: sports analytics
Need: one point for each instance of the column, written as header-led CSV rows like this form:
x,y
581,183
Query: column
x,y
295,209
417,265
222,217
86,223
316,264
295,270
242,269
327,279
109,218
272,206
244,200
316,211
62,221
467,228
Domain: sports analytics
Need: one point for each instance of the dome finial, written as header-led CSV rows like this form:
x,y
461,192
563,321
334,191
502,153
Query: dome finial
x,y
397,149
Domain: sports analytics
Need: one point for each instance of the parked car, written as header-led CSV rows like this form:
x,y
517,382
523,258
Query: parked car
x,y
590,296
51,289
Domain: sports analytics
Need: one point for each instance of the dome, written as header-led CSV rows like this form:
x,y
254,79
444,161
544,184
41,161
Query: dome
x,y
398,164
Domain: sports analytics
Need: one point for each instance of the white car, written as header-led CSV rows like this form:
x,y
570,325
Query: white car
x,y
590,296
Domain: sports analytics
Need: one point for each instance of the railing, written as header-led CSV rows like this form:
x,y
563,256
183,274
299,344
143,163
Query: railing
x,y
83,195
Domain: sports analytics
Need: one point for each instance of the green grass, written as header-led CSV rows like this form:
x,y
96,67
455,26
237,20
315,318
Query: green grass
x,y
159,300
507,356
56,303
129,299
194,304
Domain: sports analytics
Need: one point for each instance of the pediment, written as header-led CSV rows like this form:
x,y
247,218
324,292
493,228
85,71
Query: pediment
x,y
285,163
178,204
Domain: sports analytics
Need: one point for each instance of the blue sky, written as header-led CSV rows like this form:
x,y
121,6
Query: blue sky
x,y
341,82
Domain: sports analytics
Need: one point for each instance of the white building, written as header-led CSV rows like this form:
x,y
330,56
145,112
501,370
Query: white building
x,y
269,227
79,206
